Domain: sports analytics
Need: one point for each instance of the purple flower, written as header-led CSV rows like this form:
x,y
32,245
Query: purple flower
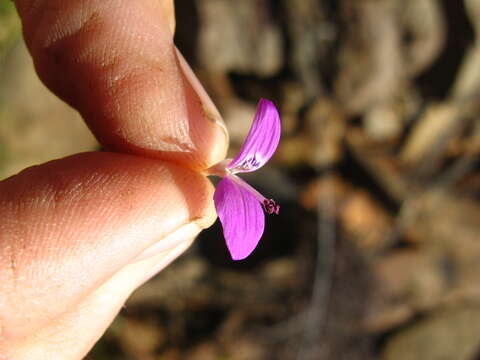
x,y
239,206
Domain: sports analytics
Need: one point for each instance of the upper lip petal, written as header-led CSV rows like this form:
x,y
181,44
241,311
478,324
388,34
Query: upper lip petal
x,y
262,139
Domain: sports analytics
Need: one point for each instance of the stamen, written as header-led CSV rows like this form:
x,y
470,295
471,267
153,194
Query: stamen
x,y
271,207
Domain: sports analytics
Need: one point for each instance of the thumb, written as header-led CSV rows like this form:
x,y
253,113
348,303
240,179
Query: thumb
x,y
75,332
115,62
79,234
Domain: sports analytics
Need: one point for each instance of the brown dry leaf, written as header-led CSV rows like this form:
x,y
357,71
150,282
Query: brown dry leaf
x,y
448,334
238,36
433,129
140,339
371,67
405,282
324,189
325,128
367,223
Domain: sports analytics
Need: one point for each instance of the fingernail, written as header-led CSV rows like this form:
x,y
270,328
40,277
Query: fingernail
x,y
182,234
210,110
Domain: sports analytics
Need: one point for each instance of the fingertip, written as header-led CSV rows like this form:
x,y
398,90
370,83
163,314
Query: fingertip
x,y
118,66
76,221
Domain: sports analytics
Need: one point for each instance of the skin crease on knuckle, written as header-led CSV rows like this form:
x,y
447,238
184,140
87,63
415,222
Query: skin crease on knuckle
x,y
116,65
85,43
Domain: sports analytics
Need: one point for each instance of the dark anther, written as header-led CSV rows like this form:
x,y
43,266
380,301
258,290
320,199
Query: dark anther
x,y
271,207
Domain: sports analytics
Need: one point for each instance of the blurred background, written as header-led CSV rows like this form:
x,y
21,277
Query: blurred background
x,y
376,251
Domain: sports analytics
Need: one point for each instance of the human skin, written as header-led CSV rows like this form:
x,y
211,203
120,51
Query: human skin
x,y
79,234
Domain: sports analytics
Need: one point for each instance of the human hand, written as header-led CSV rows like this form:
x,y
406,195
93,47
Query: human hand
x,y
79,234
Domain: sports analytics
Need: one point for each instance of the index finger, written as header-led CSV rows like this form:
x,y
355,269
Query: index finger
x,y
116,63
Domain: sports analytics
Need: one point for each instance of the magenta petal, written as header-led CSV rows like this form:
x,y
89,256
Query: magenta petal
x,y
242,218
262,139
